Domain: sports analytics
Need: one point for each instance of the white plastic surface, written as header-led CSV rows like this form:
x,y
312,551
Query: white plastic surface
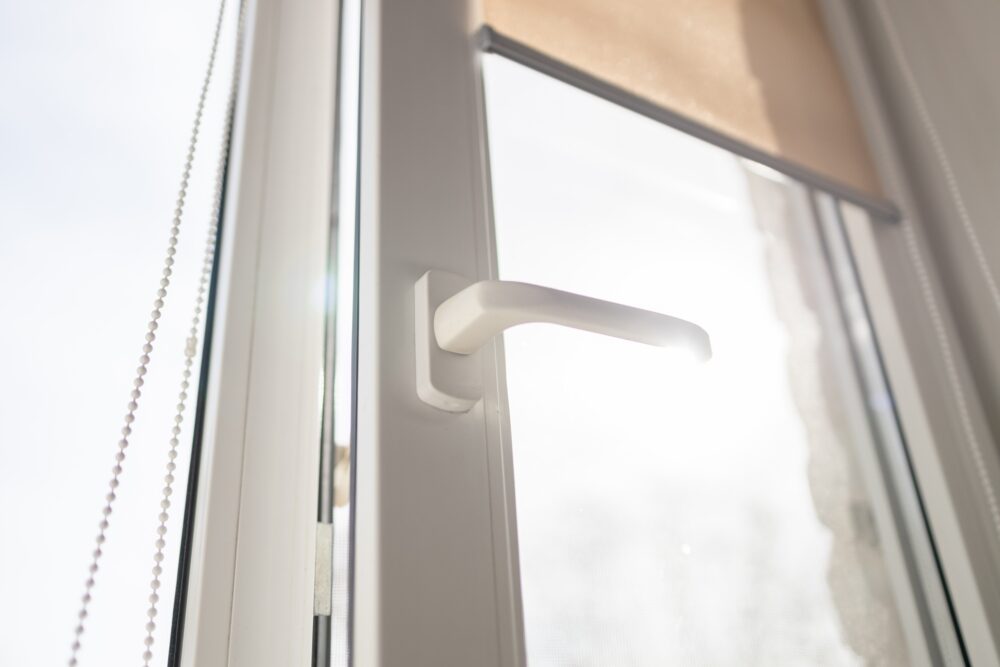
x,y
445,380
467,315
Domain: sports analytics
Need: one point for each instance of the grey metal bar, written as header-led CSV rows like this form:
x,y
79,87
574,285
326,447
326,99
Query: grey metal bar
x,y
491,41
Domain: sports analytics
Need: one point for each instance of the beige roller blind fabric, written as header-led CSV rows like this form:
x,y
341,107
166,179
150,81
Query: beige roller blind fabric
x,y
759,71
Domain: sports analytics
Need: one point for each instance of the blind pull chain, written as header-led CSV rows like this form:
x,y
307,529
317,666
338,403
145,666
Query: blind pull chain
x,y
191,344
147,350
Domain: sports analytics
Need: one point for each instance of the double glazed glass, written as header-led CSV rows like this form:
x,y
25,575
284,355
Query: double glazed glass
x,y
670,512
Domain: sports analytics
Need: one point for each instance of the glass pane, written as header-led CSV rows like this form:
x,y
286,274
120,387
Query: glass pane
x,y
671,513
98,103
331,637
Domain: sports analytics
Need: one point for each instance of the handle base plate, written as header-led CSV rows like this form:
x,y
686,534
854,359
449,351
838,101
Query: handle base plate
x,y
445,380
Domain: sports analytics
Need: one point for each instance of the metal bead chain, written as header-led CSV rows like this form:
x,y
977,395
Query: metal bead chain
x,y
147,349
191,347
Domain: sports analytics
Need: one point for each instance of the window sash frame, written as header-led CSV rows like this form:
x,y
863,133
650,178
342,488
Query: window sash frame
x,y
250,590
390,47
434,558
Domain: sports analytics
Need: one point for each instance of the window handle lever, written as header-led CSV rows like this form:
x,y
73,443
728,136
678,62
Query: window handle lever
x,y
455,317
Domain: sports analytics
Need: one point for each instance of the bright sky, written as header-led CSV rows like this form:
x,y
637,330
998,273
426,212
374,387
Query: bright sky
x,y
95,113
670,515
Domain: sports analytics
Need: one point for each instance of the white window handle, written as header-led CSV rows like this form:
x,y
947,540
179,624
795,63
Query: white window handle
x,y
455,317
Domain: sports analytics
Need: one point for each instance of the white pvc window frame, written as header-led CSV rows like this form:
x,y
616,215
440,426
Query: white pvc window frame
x,y
250,592
435,578
434,558
949,441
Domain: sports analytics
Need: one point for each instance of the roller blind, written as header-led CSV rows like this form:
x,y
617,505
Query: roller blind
x,y
759,71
